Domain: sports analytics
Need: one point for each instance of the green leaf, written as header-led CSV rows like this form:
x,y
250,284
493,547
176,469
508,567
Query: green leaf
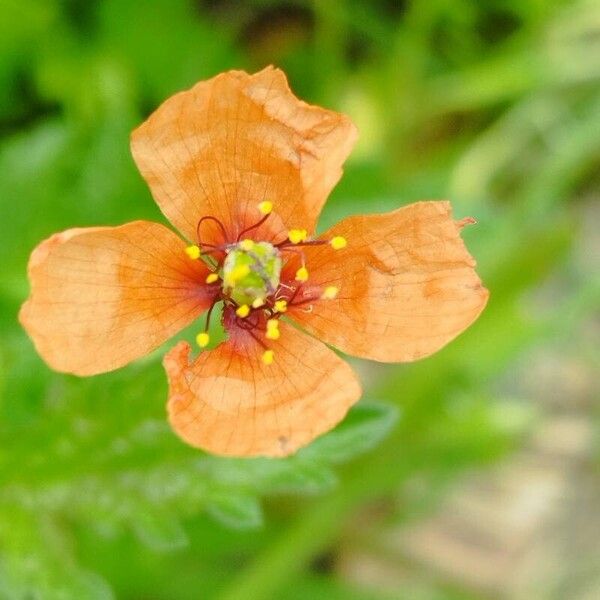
x,y
37,562
365,426
160,531
304,477
260,475
237,511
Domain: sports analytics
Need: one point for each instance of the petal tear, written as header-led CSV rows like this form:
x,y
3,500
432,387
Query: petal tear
x,y
407,284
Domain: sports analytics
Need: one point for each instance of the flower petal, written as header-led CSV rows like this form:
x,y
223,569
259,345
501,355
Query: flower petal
x,y
407,284
235,140
103,296
228,402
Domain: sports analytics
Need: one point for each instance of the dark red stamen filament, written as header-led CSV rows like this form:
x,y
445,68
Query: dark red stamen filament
x,y
303,302
287,244
239,237
202,244
209,313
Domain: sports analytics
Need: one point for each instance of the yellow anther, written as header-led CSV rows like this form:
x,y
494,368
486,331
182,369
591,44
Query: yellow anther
x,y
297,235
212,277
280,306
302,274
247,245
265,207
338,242
193,252
272,329
330,293
202,339
242,311
268,357
258,303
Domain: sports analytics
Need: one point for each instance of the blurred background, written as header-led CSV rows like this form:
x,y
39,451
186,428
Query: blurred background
x,y
472,474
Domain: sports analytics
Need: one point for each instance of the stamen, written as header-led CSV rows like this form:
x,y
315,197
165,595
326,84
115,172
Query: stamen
x,y
219,225
268,357
212,277
265,207
247,245
302,274
203,339
338,242
297,235
294,294
258,303
286,243
280,306
330,293
193,252
272,329
268,208
242,311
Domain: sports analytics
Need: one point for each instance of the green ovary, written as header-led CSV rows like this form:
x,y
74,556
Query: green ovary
x,y
251,271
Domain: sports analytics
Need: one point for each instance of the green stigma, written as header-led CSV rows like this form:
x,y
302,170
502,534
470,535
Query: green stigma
x,y
251,272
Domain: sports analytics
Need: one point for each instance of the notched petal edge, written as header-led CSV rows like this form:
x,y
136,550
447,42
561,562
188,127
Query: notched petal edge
x,y
228,402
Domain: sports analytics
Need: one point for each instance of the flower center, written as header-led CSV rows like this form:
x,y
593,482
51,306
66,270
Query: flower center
x,y
251,272
248,279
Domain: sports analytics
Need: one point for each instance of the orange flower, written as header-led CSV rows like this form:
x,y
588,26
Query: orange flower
x,y
242,168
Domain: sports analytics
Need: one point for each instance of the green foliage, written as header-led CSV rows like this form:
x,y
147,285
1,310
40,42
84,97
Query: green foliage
x,y
495,104
87,460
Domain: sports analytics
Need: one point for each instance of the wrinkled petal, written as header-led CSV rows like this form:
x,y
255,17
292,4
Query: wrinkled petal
x,y
407,284
235,140
103,296
228,402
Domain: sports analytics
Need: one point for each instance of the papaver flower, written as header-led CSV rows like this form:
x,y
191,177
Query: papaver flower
x,y
242,168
